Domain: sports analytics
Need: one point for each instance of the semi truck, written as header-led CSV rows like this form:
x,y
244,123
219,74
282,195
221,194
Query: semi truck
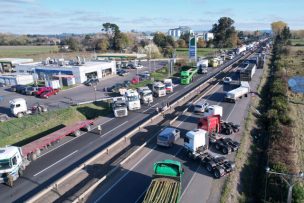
x,y
14,160
19,108
169,85
202,66
119,107
213,110
238,93
132,99
241,50
247,73
187,74
166,183
196,145
159,89
145,94
214,62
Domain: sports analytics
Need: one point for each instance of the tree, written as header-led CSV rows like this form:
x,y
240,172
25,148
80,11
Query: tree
x,y
286,34
102,44
113,33
224,33
74,44
185,36
160,39
182,43
152,51
201,43
121,41
277,27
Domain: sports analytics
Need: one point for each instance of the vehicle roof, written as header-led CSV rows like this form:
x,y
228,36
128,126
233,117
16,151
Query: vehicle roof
x,y
201,103
167,130
195,132
17,100
8,152
158,84
131,92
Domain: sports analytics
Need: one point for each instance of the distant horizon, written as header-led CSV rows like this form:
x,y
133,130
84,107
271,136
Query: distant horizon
x,y
79,17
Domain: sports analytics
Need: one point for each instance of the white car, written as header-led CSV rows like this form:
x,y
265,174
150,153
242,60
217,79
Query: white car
x,y
200,107
139,66
227,80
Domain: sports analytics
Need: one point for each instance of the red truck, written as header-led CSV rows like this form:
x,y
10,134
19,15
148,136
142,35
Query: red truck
x,y
15,159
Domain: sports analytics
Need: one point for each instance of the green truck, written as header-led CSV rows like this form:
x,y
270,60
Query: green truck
x,y
166,182
187,73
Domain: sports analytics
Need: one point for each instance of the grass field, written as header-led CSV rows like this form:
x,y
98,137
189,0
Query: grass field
x,y
23,130
184,53
297,42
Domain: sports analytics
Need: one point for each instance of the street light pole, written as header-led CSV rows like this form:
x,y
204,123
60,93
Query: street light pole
x,y
289,179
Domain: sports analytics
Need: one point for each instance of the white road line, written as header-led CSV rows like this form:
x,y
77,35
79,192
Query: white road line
x,y
230,112
131,169
56,163
149,108
182,121
187,86
114,128
192,178
172,94
70,140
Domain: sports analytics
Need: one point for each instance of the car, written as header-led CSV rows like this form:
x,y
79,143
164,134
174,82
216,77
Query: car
x,y
135,80
17,88
201,107
48,93
126,83
91,81
30,90
41,90
227,80
139,67
121,72
115,87
168,136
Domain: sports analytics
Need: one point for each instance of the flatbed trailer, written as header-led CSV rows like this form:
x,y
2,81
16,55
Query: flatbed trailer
x,y
32,150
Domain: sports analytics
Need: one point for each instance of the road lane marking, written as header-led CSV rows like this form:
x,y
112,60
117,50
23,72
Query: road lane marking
x,y
172,94
230,112
56,163
191,180
70,140
149,108
118,181
114,128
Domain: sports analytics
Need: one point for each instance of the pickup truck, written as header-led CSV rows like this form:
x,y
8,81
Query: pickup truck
x,y
166,183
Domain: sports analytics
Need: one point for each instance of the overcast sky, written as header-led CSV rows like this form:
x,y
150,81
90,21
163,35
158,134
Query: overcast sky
x,y
74,16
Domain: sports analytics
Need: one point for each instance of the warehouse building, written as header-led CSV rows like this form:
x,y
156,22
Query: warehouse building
x,y
78,70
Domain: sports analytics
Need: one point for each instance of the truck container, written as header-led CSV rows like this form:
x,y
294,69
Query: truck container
x,y
247,73
238,93
13,160
196,145
187,73
165,186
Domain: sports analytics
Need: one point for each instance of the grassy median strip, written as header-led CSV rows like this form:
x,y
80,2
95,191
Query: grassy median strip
x,y
20,131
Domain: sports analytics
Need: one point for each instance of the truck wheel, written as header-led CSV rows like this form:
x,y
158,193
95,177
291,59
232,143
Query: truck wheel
x,y
88,128
217,146
225,150
77,133
33,156
56,93
209,167
218,172
227,131
19,115
20,172
10,181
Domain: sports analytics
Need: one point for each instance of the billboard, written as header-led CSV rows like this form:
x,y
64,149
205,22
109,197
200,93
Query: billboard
x,y
192,48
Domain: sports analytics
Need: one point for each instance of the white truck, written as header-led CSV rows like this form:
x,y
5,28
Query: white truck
x,y
169,85
202,66
145,94
119,107
159,89
234,95
132,99
213,110
19,108
240,49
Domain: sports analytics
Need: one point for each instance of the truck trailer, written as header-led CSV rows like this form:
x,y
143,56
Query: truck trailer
x,y
247,73
238,93
165,186
14,160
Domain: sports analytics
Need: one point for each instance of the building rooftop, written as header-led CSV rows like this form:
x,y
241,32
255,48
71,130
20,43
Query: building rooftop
x,y
16,61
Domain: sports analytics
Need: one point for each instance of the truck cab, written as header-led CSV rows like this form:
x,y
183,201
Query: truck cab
x,y
132,99
18,107
169,85
159,89
11,164
119,107
195,140
145,94
214,110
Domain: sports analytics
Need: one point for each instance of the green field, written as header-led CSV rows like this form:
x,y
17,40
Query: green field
x,y
20,131
184,53
26,51
297,42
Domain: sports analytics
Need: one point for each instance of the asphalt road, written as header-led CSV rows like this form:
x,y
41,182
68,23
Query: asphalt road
x,y
78,94
73,151
132,181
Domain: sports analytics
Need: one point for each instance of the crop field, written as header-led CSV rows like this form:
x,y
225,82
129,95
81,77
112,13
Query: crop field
x,y
297,42
202,52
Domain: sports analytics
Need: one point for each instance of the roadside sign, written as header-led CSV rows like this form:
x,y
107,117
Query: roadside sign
x,y
192,48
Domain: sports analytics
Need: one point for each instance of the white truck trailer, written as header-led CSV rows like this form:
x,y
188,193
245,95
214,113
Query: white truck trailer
x,y
132,99
238,93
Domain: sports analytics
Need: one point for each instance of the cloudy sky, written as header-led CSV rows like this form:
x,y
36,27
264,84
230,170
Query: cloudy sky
x,y
74,16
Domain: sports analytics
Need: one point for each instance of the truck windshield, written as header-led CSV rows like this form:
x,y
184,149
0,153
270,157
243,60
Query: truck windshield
x,y
12,106
5,164
160,88
147,93
132,98
120,105
163,137
168,84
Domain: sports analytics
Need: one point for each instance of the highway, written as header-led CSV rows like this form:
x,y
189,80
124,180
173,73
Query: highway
x,y
132,181
69,153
